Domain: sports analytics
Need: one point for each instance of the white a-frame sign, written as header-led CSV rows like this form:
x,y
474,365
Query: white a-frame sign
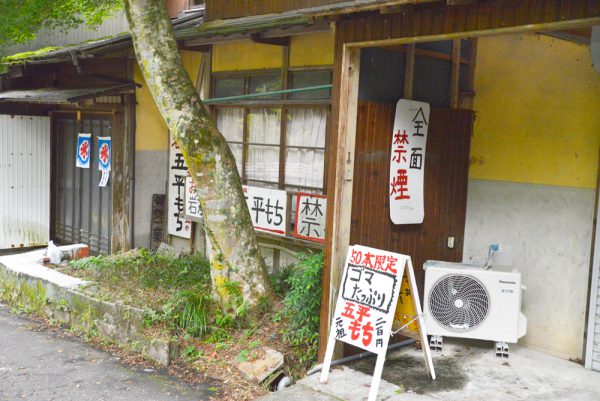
x,y
366,304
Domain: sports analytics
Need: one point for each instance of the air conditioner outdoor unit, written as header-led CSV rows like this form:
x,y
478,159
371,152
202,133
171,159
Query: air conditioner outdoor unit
x,y
473,302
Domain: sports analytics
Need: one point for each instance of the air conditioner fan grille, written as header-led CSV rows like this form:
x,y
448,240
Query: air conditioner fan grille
x,y
459,302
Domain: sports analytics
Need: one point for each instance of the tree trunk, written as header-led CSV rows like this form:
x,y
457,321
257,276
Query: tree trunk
x,y
235,256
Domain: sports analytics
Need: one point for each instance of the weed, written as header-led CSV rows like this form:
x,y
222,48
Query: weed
x,y
302,307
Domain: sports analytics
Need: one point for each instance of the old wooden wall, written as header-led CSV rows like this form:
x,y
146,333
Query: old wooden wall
x,y
445,193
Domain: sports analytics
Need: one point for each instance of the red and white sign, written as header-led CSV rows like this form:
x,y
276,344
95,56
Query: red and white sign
x,y
310,217
268,209
407,164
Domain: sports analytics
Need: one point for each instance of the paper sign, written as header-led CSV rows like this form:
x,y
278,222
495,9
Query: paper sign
x,y
177,224
104,178
84,148
104,153
268,209
407,164
310,217
367,299
192,203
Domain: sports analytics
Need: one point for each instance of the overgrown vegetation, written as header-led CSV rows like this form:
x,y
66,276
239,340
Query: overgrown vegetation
x,y
301,307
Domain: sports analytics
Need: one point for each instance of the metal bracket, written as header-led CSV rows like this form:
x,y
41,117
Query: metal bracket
x,y
501,349
436,343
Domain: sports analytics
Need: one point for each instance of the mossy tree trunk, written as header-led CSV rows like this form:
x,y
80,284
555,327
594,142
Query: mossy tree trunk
x,y
235,256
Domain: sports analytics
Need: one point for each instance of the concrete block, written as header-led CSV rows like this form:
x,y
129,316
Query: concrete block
x,y
297,393
262,368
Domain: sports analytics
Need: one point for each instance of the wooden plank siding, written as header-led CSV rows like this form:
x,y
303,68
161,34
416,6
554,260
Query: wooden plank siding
x,y
424,23
446,174
225,9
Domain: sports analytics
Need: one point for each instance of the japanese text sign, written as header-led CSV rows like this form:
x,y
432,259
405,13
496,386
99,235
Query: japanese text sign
x,y
178,171
104,153
268,209
84,148
407,164
310,217
157,221
192,202
367,298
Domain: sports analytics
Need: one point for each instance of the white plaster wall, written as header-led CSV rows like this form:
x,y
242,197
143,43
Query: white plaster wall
x,y
549,231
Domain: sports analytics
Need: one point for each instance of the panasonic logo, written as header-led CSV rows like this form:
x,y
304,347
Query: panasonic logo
x,y
507,282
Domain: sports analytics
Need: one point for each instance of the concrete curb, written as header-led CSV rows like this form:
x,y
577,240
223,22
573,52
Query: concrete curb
x,y
34,289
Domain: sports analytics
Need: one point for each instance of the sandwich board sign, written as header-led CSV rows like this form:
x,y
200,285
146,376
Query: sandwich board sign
x,y
366,305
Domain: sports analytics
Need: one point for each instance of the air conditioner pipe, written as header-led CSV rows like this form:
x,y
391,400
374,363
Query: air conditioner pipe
x,y
362,355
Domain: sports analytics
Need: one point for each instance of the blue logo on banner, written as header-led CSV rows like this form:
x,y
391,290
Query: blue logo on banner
x,y
104,153
84,148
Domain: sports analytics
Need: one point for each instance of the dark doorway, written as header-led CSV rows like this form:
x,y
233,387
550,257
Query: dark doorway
x,y
81,210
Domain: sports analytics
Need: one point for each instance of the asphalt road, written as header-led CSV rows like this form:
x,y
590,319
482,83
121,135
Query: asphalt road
x,y
41,366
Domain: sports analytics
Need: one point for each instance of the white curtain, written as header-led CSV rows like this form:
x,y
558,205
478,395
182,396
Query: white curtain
x,y
305,127
264,127
230,123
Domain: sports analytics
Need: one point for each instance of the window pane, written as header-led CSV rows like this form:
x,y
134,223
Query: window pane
x,y
265,83
263,163
306,127
305,79
225,87
230,123
304,167
264,126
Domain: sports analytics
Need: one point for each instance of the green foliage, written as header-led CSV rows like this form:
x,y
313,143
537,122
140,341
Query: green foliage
x,y
21,20
302,307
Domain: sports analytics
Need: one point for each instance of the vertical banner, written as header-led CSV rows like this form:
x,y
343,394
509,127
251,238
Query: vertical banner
x,y
157,221
84,148
268,209
177,224
310,217
104,153
407,164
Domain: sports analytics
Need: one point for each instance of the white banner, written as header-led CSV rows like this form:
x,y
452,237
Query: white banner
x,y
176,222
268,209
407,164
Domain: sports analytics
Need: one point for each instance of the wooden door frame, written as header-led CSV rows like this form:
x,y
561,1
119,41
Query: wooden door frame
x,y
340,183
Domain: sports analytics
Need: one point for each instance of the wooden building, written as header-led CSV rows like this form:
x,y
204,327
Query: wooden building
x,y
512,155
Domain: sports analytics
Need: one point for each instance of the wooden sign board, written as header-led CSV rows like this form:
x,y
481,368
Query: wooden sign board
x,y
366,306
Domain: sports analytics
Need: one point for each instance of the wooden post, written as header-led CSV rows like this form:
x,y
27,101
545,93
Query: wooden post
x,y
409,71
455,74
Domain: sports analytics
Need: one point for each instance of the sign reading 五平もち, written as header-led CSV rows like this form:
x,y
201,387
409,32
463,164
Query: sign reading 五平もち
x,y
367,300
177,224
407,164
268,209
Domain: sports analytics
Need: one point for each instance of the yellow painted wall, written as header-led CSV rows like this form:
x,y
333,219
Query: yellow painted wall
x,y
151,131
245,55
312,50
538,112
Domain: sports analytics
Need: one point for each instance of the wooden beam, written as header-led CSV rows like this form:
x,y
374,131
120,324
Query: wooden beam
x,y
282,41
409,71
455,74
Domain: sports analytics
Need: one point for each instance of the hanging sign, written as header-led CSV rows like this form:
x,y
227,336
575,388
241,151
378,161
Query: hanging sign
x,y
268,209
310,217
104,178
104,153
157,221
84,148
177,224
366,305
192,202
407,164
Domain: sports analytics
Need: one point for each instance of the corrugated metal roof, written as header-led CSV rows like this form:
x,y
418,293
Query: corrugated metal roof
x,y
58,96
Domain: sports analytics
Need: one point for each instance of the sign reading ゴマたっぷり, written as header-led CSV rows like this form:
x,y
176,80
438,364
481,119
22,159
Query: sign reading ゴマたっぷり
x,y
407,164
367,299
